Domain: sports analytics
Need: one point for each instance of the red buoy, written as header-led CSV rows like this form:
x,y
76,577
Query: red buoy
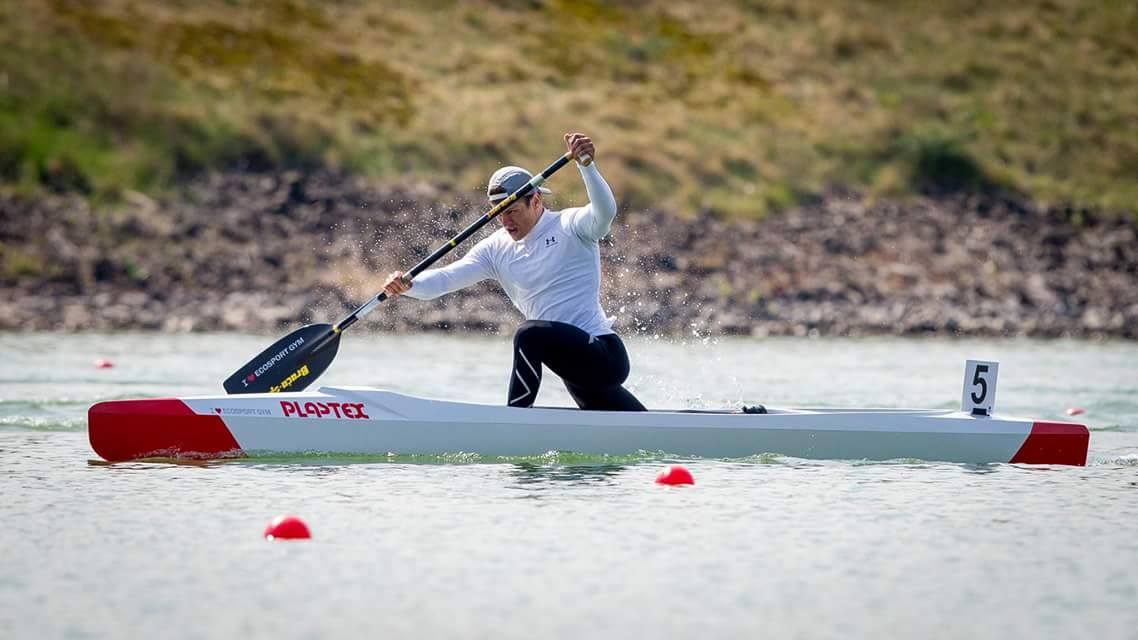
x,y
103,363
675,474
287,528
1076,411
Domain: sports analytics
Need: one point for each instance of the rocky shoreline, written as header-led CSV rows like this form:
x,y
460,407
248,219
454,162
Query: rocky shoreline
x,y
265,252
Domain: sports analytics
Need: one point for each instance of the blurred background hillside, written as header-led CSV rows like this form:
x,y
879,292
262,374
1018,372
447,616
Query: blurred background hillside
x,y
783,166
738,107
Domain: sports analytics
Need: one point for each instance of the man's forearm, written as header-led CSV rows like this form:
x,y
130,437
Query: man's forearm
x,y
433,283
597,221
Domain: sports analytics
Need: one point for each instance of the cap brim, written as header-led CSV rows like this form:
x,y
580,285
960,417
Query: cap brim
x,y
498,197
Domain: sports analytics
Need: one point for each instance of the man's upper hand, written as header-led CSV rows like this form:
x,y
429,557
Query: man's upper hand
x,y
580,145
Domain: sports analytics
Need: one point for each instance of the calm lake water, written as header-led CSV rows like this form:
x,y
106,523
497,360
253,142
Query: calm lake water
x,y
565,546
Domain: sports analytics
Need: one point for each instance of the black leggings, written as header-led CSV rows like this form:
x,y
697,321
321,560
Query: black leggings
x,y
592,368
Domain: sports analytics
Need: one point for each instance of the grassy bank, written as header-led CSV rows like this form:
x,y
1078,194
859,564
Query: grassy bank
x,y
737,107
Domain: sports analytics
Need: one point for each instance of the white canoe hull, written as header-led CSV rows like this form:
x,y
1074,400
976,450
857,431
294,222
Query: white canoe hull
x,y
371,421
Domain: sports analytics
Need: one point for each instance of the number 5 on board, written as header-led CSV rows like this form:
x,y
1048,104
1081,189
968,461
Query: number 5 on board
x,y
979,397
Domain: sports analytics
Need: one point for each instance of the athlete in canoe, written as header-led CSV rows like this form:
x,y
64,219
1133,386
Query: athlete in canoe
x,y
549,264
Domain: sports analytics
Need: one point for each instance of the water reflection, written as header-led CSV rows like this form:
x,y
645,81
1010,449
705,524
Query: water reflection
x,y
980,469
530,475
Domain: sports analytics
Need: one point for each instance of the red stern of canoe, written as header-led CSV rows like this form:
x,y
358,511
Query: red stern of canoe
x,y
1055,443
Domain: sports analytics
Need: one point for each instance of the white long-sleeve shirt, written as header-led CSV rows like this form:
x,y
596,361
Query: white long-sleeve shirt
x,y
553,273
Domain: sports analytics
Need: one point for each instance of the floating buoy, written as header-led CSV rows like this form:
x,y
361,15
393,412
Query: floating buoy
x,y
675,474
287,528
1076,411
103,363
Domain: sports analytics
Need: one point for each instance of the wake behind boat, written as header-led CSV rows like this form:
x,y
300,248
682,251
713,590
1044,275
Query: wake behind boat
x,y
372,421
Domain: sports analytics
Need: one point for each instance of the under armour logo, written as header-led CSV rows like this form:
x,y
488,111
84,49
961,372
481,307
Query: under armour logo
x,y
550,240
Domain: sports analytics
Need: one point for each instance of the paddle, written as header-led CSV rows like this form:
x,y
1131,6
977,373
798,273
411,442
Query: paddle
x,y
296,360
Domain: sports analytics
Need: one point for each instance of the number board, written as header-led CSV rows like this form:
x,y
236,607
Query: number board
x,y
979,396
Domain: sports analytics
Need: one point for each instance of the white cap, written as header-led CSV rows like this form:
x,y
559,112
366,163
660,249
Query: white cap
x,y
506,181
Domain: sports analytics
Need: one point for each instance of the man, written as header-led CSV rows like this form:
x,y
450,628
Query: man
x,y
549,264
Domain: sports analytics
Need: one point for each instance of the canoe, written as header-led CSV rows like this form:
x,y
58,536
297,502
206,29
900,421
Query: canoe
x,y
361,420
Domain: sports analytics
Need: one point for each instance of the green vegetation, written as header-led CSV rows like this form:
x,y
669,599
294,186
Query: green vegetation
x,y
735,107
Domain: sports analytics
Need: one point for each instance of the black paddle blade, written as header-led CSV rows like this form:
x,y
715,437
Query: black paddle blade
x,y
290,364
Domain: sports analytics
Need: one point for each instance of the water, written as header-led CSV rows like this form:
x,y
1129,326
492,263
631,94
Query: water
x,y
566,546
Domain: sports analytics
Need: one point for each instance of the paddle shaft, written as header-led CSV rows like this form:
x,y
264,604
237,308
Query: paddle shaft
x,y
425,263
